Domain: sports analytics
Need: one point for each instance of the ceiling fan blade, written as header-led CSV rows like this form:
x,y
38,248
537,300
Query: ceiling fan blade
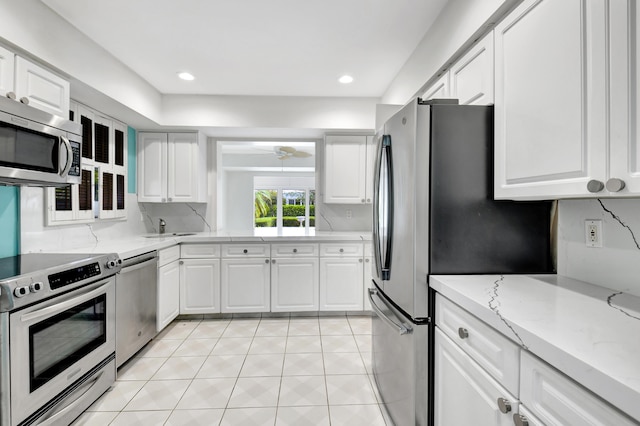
x,y
284,157
287,149
301,154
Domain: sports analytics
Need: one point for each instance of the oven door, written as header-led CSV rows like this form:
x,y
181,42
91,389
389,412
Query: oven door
x,y
58,341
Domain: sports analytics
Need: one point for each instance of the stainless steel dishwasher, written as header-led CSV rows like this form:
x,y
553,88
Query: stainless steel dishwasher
x,y
136,294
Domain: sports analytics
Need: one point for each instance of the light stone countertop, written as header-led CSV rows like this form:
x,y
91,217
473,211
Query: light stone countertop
x,y
137,245
590,333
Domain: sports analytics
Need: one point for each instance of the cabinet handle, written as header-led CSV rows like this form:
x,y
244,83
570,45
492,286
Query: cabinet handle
x,y
367,260
182,262
594,186
360,260
170,199
164,200
362,200
341,250
245,251
24,100
504,405
520,420
11,95
295,250
463,333
615,185
368,200
267,261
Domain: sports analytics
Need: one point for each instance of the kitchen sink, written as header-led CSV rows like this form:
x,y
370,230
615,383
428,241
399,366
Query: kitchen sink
x,y
170,234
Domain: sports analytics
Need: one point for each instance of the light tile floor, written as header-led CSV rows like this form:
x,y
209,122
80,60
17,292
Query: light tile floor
x,y
248,371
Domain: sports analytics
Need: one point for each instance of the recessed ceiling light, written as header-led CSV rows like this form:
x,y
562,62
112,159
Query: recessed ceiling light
x,y
345,79
186,76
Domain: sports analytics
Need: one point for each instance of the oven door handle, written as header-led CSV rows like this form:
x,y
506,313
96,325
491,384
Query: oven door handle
x,y
35,316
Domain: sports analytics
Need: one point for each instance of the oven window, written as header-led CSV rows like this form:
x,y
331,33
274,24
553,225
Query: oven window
x,y
59,341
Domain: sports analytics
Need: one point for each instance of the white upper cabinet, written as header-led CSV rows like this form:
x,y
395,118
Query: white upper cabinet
x,y
172,167
345,169
472,75
440,89
566,100
6,71
41,88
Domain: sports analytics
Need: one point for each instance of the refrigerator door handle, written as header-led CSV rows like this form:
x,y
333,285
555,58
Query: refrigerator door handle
x,y
401,328
383,209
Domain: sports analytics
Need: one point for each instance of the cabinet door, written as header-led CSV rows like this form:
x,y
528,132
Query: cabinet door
x,y
463,392
245,285
370,166
341,284
345,159
6,71
550,106
168,294
557,400
368,278
152,167
199,286
472,75
119,164
625,76
439,89
295,284
182,171
43,89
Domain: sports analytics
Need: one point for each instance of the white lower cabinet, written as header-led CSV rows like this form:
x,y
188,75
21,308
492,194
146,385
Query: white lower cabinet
x,y
168,303
555,399
295,284
341,284
200,288
464,393
168,306
245,285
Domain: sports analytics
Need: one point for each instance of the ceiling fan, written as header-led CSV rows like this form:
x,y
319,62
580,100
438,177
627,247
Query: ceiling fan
x,y
286,152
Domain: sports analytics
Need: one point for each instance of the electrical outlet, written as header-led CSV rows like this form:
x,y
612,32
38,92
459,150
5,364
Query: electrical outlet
x,y
349,214
593,233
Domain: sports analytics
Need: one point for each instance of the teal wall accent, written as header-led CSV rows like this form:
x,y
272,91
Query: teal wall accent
x,y
9,221
132,162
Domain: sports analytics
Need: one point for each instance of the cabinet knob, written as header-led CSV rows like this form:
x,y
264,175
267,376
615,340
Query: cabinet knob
x,y
24,100
169,199
504,405
463,333
367,260
295,250
164,199
615,185
182,262
368,200
362,200
360,260
594,186
341,250
245,251
520,420
11,95
267,261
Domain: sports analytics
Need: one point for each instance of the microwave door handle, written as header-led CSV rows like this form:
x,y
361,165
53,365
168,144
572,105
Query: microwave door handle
x,y
67,167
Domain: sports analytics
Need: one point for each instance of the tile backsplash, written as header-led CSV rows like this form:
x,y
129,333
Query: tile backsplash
x,y
616,264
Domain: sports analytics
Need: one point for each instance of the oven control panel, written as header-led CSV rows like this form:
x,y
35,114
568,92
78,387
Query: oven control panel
x,y
71,276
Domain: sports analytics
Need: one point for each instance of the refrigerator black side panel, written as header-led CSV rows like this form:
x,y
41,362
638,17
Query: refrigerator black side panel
x,y
470,232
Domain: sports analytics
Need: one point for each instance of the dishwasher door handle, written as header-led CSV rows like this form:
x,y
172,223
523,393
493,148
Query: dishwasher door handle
x,y
401,328
137,266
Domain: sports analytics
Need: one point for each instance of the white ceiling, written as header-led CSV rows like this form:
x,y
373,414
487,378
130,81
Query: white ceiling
x,y
257,47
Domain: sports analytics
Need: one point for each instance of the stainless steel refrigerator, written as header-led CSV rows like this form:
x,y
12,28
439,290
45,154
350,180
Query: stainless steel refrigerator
x,y
434,213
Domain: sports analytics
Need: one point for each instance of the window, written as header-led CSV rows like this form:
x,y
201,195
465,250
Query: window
x,y
284,203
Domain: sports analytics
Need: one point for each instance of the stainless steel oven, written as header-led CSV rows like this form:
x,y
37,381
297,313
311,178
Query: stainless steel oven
x,y
57,340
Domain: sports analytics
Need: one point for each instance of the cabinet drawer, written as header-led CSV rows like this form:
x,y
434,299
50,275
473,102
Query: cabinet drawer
x,y
348,249
557,400
199,251
246,250
499,356
168,255
294,250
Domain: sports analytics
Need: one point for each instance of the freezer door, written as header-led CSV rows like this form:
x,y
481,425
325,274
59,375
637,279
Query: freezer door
x,y
400,363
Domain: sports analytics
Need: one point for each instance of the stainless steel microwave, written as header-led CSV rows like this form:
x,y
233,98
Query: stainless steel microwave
x,y
37,148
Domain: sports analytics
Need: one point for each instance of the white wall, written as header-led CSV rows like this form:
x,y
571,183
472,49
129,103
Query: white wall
x,y
617,264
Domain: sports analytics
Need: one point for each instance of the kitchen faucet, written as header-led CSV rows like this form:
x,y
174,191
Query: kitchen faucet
x,y
162,225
